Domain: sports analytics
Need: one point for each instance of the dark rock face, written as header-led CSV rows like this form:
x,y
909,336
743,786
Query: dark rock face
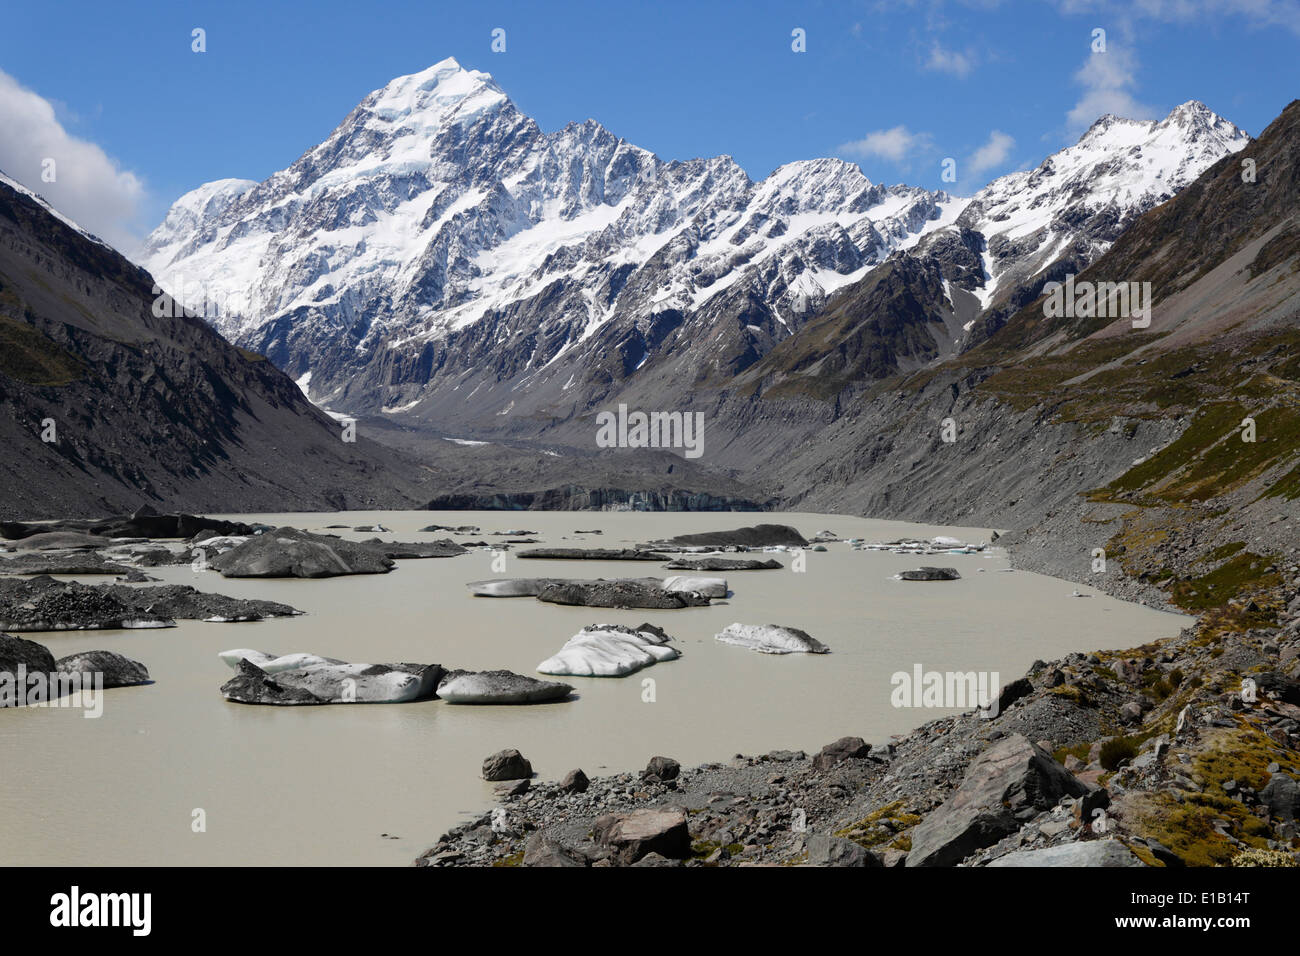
x,y
619,594
44,604
593,554
846,748
722,564
290,553
634,835
758,536
1012,780
252,685
117,671
929,574
507,765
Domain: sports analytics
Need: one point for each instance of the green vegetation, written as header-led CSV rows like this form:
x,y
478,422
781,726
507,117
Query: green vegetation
x,y
1242,574
882,826
1117,750
28,356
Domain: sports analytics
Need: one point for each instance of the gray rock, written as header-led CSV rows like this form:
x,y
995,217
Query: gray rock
x,y
512,587
543,851
116,670
507,765
826,850
846,748
15,653
661,770
1008,783
929,574
631,836
1282,796
1085,853
575,781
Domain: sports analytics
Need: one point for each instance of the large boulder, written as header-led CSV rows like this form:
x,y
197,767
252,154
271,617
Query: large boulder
x,y
632,836
1089,853
1282,796
20,657
290,553
771,639
507,765
846,748
543,851
1006,785
827,850
619,594
929,574
499,687
610,650
114,669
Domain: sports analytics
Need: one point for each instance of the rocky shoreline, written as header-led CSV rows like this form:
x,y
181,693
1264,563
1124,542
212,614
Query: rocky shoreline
x,y
1180,753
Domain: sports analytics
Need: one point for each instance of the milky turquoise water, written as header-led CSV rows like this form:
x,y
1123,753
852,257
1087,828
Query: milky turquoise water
x,y
319,785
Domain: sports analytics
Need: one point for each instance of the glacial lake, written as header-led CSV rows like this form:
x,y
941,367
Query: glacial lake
x,y
321,785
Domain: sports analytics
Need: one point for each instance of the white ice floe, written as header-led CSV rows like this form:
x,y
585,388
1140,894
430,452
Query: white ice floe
x,y
771,639
608,650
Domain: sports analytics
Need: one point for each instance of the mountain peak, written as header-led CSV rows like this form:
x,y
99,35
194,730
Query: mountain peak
x,y
444,88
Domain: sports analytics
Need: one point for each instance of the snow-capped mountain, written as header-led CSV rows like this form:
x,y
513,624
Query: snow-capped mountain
x,y
439,255
1078,201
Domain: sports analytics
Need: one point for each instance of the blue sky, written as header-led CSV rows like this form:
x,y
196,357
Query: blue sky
x,y
138,118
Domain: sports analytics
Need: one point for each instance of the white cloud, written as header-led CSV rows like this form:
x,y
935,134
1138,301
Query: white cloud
x,y
89,187
1254,13
895,145
992,154
950,61
1107,80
